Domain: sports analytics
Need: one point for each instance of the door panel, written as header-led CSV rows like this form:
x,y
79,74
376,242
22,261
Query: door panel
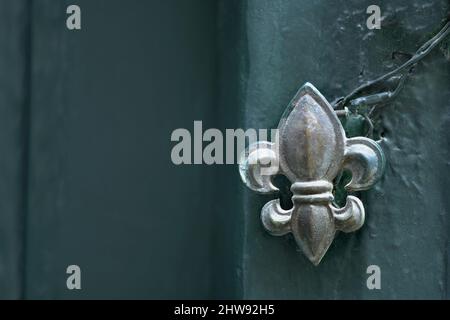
x,y
103,193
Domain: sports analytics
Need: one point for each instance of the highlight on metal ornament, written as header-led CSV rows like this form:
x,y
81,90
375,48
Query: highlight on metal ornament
x,y
311,150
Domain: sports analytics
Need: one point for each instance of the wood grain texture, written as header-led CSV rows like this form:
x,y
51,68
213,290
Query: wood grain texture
x,y
103,192
14,103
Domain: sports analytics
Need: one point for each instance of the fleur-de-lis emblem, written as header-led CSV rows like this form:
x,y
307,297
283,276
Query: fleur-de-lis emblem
x,y
311,150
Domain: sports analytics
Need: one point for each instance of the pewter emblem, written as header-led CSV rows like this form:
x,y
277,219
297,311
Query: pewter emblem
x,y
311,150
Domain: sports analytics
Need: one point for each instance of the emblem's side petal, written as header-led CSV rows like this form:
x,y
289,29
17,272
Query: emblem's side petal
x,y
351,217
365,160
257,165
276,220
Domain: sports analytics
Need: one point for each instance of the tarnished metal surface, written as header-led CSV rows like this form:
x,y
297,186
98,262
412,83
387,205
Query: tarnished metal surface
x,y
312,150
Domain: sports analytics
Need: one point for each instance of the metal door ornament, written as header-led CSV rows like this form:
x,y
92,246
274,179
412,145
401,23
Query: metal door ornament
x,y
311,150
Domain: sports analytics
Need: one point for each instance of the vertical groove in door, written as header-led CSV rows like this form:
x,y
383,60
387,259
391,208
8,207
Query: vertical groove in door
x,y
45,192
26,139
14,103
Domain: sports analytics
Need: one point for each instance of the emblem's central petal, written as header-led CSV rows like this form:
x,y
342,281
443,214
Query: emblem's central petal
x,y
311,138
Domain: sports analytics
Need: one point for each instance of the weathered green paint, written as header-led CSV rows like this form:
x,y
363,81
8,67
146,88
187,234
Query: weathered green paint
x,y
327,44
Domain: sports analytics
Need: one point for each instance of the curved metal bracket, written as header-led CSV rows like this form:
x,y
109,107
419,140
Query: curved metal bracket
x,y
311,150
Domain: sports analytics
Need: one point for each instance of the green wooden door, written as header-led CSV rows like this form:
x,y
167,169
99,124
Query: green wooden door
x,y
87,179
